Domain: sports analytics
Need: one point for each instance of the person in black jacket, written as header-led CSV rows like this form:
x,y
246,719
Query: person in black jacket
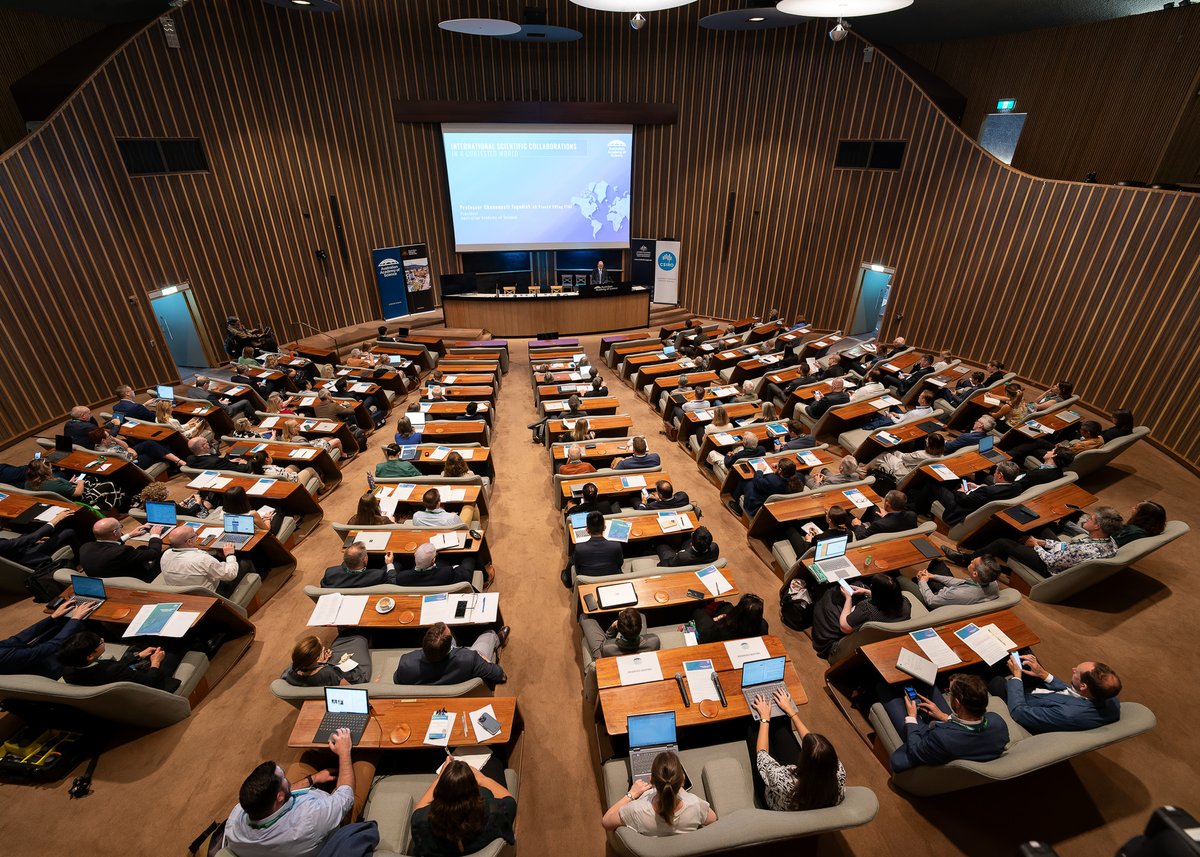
x,y
956,505
80,426
438,661
837,395
428,570
896,517
598,388
729,621
589,501
699,549
80,656
1054,463
127,406
34,651
38,547
904,383
749,449
109,556
597,556
353,571
753,493
664,497
202,457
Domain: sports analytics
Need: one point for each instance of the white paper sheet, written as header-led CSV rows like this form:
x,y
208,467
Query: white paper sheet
x,y
748,649
639,669
436,608
449,541
1004,639
858,498
935,648
388,505
887,437
48,515
179,623
699,680
482,734
475,760
633,481
715,582
439,454
338,609
304,453
269,422
441,725
219,483
374,540
467,454
452,495
723,438
982,643
262,486
326,426
809,458
943,472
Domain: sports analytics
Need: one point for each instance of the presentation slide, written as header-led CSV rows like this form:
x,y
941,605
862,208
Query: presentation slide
x,y
539,187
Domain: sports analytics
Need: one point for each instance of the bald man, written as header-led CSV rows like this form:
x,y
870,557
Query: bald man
x,y
110,556
185,564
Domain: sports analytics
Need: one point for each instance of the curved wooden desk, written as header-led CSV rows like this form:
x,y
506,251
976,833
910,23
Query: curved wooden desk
x,y
527,315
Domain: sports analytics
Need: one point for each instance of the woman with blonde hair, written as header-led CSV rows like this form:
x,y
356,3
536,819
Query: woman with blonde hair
x,y
195,427
720,421
289,432
582,431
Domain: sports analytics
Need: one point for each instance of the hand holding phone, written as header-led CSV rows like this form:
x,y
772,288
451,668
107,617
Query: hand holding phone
x,y
846,588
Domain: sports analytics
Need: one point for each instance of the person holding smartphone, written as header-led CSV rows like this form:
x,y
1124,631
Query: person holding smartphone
x,y
461,812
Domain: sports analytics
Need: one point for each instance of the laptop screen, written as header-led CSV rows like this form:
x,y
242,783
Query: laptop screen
x,y
165,391
88,587
651,730
986,443
62,443
669,349
242,524
831,548
761,672
345,700
161,514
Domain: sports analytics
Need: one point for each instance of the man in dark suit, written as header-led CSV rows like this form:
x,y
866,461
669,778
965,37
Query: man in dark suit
x,y
38,547
748,449
127,407
599,275
883,354
598,555
1042,703
80,656
381,335
964,389
202,457
438,661
956,505
835,369
896,517
700,549
664,497
80,426
641,457
904,383
982,426
109,556
589,501
837,395
1054,462
34,651
797,437
353,571
598,388
961,729
428,570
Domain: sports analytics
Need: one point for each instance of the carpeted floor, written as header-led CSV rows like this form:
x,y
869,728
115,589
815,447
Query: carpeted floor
x,y
155,791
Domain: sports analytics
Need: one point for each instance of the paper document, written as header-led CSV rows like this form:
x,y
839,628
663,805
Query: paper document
x,y
943,472
809,458
435,608
475,760
723,438
48,515
151,619
704,416
881,403
991,401
219,483
388,505
722,392
326,426
373,540
617,530
669,522
338,609
699,680
858,498
1067,416
886,437
482,734
715,582
937,382
811,529
439,454
269,422
262,486
180,623
891,367
452,495
304,453
1004,639
759,465
203,480
749,649
916,666
616,595
449,541
441,724
633,481
417,418
986,645
360,388
935,648
639,669
467,454
569,425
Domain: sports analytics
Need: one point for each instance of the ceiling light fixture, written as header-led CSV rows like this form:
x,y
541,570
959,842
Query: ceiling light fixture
x,y
638,6
307,5
637,21
757,19
840,8
840,31
481,26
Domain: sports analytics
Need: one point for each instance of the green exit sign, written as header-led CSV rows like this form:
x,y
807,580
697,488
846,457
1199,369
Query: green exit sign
x,y
1006,105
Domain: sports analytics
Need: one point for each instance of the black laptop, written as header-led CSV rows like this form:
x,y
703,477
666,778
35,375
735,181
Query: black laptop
x,y
346,707
62,448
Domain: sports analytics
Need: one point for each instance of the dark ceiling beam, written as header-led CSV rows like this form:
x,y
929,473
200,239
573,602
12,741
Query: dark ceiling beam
x,y
569,112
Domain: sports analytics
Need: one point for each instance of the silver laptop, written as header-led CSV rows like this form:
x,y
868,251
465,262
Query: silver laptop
x,y
985,448
649,735
830,559
88,590
762,678
238,529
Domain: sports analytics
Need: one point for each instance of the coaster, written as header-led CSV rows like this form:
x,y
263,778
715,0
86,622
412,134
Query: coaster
x,y
709,708
400,734
410,546
121,612
406,617
661,597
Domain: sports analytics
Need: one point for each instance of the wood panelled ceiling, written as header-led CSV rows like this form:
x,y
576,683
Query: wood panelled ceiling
x,y
1089,282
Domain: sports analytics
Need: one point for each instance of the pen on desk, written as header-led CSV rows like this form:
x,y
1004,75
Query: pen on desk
x,y
683,690
716,680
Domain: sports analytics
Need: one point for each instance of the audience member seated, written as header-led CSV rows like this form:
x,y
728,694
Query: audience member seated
x,y
662,807
1060,391
109,556
369,513
938,587
891,468
958,729
964,389
721,424
589,501
80,656
1042,703
289,432
982,426
127,406
353,571
393,467
664,497
315,664
1054,463
697,549
1051,556
750,494
207,390
145,453
187,565
429,570
640,457
273,820
456,466
959,502
791,776
262,464
1011,411
463,811
746,393
1090,438
775,392
80,426
598,389
405,434
40,476
625,636
439,661
575,465
847,472
328,408
582,431
882,355
797,438
748,448
235,501
1122,426
835,614
202,457
433,515
906,381
838,522
597,555
896,517
163,416
718,621
34,651
822,402
1145,519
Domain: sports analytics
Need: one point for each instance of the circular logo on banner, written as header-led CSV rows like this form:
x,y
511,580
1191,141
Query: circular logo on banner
x,y
389,267
617,148
666,260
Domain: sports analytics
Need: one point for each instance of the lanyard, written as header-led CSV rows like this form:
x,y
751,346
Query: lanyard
x,y
264,825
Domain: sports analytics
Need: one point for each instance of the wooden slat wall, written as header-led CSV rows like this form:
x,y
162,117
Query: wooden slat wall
x,y
1095,283
30,39
1103,97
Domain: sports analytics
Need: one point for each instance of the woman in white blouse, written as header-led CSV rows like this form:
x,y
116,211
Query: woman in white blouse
x,y
662,807
791,777
195,427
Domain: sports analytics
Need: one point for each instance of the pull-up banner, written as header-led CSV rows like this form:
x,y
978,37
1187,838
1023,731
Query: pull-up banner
x,y
666,272
417,277
642,273
389,279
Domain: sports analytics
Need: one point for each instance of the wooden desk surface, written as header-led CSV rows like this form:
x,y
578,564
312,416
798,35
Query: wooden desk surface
x,y
407,541
693,379
280,488
962,465
828,459
481,381
887,556
86,462
466,392
595,404
595,449
140,430
787,375
14,504
660,590
470,493
646,527
615,421
733,355
617,702
1053,421
414,714
563,391
649,373
611,485
814,506
951,375
554,343
649,359
307,426
478,453
622,350
285,454
901,362
455,428
873,446
471,365
121,605
453,407
1050,507
882,655
407,613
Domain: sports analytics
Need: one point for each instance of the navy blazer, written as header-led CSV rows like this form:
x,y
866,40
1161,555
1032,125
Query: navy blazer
x,y
116,559
938,742
961,505
340,577
804,441
892,522
758,489
970,438
817,409
598,556
130,408
633,462
34,651
442,574
678,500
1058,712
461,665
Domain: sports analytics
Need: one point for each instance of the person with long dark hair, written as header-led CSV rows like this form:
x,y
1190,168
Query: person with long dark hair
x,y
661,807
1146,518
791,777
369,513
461,813
835,614
730,621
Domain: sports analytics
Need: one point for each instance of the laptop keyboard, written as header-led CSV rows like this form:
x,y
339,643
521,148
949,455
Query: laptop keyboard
x,y
767,690
330,723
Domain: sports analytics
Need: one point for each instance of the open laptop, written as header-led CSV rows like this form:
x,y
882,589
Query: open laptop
x,y
239,529
161,514
762,678
830,558
409,453
346,707
165,391
62,448
985,449
88,590
649,735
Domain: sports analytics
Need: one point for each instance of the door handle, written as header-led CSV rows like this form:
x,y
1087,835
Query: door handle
x,y
166,328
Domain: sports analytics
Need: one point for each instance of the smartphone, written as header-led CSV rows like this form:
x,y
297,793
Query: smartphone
x,y
490,724
56,603
694,593
912,694
461,610
37,456
1016,659
845,587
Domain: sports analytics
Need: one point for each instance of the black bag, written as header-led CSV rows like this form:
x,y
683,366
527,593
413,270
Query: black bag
x,y
796,611
40,582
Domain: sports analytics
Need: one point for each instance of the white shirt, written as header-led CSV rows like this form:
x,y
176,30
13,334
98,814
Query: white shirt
x,y
194,567
640,815
868,391
298,829
436,518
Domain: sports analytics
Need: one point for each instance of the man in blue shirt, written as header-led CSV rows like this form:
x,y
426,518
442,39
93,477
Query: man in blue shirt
x,y
962,729
1042,703
640,458
982,426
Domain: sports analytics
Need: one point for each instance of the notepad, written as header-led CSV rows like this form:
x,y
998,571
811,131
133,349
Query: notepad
x,y
1067,416
759,465
858,498
885,437
704,416
991,401
698,675
467,454
943,472
440,453
633,481
669,522
809,458
360,388
916,666
338,609
449,541
262,486
269,422
723,438
714,581
986,645
388,505
303,453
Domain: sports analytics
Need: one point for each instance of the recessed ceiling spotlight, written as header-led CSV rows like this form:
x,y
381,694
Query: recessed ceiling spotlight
x,y
307,5
481,26
756,19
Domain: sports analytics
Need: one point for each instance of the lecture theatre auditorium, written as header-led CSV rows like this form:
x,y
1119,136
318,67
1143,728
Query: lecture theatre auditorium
x,y
599,427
